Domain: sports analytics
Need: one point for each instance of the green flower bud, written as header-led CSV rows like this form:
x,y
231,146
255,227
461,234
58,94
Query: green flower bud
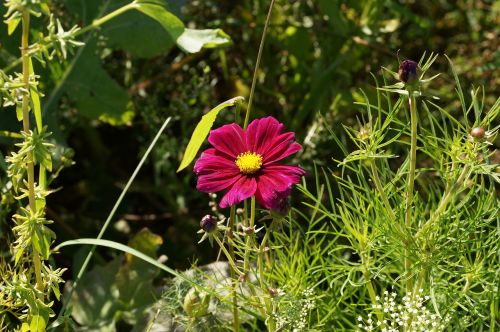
x,y
196,303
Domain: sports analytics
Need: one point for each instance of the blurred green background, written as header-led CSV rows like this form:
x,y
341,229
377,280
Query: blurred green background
x,y
106,102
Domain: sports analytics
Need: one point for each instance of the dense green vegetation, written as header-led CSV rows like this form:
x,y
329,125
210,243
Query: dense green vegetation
x,y
368,225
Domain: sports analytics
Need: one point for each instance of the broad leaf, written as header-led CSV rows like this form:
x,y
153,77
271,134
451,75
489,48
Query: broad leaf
x,y
158,10
129,30
201,132
193,40
96,94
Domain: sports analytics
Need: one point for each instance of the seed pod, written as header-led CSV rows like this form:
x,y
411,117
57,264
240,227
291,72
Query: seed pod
x,y
208,223
477,133
408,71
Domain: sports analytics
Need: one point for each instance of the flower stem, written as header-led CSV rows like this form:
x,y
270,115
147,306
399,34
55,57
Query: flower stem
x,y
26,128
271,326
380,189
228,256
257,64
230,235
449,193
249,239
411,181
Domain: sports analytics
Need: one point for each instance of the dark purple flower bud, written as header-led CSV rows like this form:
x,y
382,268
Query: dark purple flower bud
x,y
477,133
408,71
208,223
281,204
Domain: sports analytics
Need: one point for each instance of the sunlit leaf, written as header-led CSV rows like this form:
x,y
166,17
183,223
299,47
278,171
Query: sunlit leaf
x,y
201,132
158,10
193,40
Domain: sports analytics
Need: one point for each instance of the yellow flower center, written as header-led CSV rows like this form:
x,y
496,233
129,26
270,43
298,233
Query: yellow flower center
x,y
249,162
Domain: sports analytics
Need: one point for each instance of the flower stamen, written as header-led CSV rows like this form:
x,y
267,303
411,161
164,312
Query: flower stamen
x,y
249,162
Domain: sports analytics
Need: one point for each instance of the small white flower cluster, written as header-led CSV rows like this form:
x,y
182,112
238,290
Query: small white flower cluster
x,y
293,313
411,315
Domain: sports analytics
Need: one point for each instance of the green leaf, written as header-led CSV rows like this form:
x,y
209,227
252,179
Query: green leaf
x,y
95,301
137,33
19,113
35,102
124,248
38,324
12,25
193,40
95,93
157,9
201,131
135,278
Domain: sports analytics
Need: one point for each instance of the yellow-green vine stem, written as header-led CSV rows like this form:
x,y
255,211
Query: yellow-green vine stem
x,y
26,128
411,181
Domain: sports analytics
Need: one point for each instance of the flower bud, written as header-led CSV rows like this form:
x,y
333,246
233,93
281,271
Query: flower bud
x,y
208,223
477,133
196,303
408,71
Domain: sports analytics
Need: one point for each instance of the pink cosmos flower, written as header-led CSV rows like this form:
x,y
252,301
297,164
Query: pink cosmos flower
x,y
246,163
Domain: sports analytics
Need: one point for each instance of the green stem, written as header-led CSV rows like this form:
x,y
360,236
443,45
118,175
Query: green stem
x,y
271,325
380,189
230,237
100,21
26,128
449,193
228,256
257,64
249,237
411,182
369,283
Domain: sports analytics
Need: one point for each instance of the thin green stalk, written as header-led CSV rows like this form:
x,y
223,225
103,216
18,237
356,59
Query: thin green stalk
x,y
111,215
449,193
228,256
369,283
271,325
411,181
230,237
380,189
26,128
257,64
249,239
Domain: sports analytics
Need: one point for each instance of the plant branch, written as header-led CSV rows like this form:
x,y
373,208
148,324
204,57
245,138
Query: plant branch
x,y
411,180
26,128
257,64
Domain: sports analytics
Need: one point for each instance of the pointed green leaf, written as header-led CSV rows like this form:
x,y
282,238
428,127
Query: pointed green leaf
x,y
193,40
19,113
35,101
158,10
201,132
38,324
12,25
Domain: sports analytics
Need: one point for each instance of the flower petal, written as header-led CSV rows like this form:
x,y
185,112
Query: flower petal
x,y
211,183
281,147
213,160
230,139
244,188
274,183
261,131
